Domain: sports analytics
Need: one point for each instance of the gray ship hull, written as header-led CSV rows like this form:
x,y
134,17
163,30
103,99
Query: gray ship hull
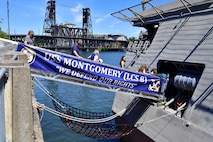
x,y
157,124
181,44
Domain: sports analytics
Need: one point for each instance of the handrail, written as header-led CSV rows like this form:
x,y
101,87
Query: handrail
x,y
181,4
2,111
186,5
9,41
156,9
2,72
136,14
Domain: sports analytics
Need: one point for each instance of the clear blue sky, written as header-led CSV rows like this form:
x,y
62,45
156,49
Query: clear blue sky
x,y
29,14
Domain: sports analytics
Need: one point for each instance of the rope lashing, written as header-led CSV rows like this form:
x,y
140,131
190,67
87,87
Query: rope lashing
x,y
82,120
93,124
97,125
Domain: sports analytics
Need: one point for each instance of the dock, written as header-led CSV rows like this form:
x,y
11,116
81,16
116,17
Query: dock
x,y
19,119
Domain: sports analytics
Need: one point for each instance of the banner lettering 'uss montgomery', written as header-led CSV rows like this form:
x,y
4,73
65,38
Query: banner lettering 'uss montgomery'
x,y
58,63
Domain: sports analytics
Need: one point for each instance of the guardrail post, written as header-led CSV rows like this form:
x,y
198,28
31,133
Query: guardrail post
x,y
2,112
18,100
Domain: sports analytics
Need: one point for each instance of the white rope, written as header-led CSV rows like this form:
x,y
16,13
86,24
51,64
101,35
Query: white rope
x,y
42,114
46,92
41,111
82,120
155,119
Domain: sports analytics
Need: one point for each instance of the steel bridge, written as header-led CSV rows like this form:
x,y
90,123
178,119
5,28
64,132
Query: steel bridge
x,y
63,36
62,42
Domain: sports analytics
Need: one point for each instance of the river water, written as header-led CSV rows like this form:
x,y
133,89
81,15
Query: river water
x,y
85,98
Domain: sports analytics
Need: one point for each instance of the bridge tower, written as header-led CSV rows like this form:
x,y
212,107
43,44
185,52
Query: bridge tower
x,y
87,23
50,18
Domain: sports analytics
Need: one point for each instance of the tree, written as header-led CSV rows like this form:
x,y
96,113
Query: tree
x,y
2,34
131,38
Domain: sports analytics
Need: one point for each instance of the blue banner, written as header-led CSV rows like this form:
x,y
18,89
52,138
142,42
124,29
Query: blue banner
x,y
58,63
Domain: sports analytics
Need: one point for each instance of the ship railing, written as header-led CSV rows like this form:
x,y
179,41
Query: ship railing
x,y
54,77
137,15
135,91
138,45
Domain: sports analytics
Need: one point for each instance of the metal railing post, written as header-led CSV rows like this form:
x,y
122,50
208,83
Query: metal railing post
x,y
2,112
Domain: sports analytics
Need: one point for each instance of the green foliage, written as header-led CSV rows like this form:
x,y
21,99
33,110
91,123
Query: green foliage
x,y
3,34
131,38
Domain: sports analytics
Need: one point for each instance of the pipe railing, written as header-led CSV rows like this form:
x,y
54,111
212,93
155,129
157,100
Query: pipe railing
x,y
3,72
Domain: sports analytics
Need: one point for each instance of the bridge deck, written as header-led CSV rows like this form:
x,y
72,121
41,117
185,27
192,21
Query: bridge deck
x,y
50,42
